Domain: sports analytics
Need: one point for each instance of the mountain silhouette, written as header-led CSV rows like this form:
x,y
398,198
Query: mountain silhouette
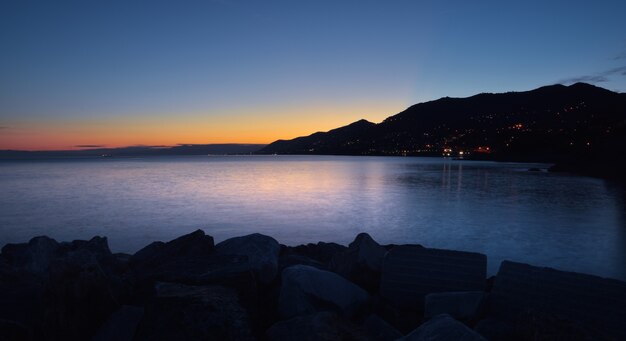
x,y
551,124
340,140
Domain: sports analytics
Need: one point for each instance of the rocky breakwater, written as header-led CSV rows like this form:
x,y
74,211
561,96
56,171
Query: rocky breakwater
x,y
252,287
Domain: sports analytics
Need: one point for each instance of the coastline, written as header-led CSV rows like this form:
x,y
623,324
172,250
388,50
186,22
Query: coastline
x,y
252,287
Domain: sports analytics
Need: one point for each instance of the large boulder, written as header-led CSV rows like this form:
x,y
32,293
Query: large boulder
x,y
78,297
318,326
183,312
192,245
463,305
190,259
262,252
305,290
522,293
21,299
410,272
34,256
231,271
361,262
60,290
443,328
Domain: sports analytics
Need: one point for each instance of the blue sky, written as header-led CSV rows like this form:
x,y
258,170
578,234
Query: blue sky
x,y
311,64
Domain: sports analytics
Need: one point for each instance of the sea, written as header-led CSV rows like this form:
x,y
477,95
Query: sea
x,y
508,211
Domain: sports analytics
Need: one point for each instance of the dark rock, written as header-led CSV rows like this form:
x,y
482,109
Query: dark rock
x,y
21,296
262,252
189,246
97,246
305,290
77,297
147,254
361,262
532,325
60,290
410,272
230,271
495,329
443,327
123,258
34,256
379,329
313,327
121,325
11,330
189,259
369,253
595,303
321,252
183,312
464,305
288,260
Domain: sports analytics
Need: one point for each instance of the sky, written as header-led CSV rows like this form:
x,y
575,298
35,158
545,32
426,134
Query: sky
x,y
120,73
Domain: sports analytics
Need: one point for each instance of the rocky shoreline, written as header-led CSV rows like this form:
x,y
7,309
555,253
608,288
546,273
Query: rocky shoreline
x,y
252,287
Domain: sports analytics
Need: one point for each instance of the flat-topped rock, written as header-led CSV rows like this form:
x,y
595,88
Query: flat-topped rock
x,y
595,302
410,272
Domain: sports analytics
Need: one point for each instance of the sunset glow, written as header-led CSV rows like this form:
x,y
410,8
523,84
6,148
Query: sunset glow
x,y
259,127
118,74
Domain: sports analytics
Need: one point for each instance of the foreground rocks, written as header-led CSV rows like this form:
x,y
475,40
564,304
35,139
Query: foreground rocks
x,y
251,287
305,290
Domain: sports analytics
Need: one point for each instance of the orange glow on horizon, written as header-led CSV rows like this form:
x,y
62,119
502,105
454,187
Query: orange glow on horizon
x,y
259,127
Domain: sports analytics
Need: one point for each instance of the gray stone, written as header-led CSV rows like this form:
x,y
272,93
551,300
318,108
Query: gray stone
x,y
121,325
379,329
410,272
463,305
305,290
183,312
319,326
443,328
592,302
262,252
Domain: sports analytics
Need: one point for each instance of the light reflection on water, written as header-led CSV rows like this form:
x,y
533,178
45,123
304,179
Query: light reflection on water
x,y
501,209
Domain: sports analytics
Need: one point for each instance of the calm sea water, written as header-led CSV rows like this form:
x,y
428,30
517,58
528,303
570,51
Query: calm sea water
x,y
500,209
